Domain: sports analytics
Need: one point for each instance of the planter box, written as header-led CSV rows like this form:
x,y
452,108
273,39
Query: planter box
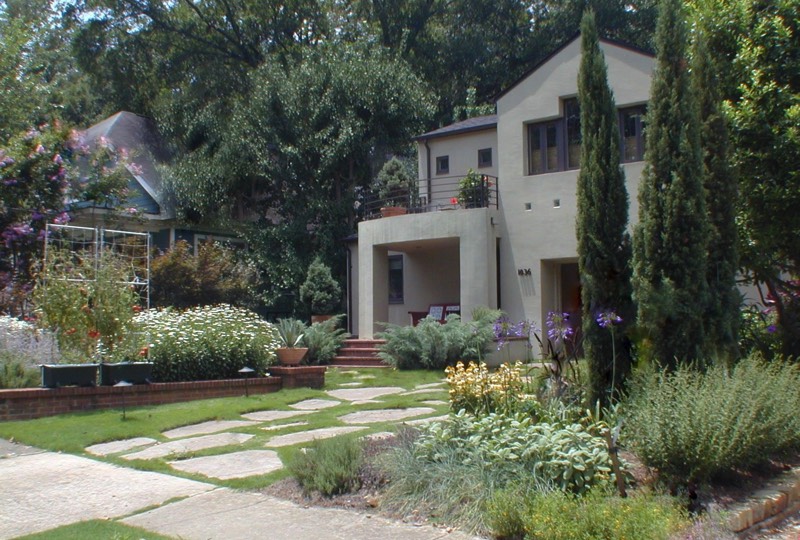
x,y
55,375
132,372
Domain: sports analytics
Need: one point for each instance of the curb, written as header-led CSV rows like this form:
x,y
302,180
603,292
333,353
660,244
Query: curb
x,y
767,506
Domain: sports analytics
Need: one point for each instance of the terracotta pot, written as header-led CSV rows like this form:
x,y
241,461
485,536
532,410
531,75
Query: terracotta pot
x,y
320,318
291,356
389,211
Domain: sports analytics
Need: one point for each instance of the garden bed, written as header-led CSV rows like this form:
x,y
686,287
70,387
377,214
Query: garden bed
x,y
28,403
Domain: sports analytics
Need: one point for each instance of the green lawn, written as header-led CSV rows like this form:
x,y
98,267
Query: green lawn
x,y
72,433
95,528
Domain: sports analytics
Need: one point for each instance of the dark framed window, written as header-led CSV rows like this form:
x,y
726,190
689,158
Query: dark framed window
x,y
632,133
485,157
572,120
543,147
442,164
395,279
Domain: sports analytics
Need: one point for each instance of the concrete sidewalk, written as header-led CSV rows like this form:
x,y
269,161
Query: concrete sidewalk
x,y
43,490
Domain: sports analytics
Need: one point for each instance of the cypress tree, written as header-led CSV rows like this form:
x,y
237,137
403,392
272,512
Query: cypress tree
x,y
604,249
670,240
721,192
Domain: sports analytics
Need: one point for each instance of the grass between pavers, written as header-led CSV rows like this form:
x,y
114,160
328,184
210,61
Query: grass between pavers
x,y
96,528
72,433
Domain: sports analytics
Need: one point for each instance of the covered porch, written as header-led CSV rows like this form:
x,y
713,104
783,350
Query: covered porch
x,y
406,263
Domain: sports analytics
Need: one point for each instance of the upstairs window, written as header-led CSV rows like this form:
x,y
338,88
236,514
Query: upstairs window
x,y
632,131
485,157
442,164
543,147
572,119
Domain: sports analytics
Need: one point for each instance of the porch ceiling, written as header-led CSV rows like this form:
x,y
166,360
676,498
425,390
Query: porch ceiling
x,y
427,244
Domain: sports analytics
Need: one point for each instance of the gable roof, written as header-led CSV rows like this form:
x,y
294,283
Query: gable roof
x,y
138,136
563,46
477,123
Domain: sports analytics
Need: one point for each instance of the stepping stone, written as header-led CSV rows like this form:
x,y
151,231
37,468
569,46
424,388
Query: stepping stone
x,y
423,391
434,402
281,426
352,384
381,435
423,421
383,415
314,404
194,444
114,447
213,426
363,394
306,436
235,465
365,402
269,416
430,385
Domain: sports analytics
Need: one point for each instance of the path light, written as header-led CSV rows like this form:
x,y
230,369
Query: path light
x,y
121,385
246,373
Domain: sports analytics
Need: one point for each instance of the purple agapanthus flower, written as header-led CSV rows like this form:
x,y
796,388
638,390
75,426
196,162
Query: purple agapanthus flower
x,y
772,329
607,319
558,327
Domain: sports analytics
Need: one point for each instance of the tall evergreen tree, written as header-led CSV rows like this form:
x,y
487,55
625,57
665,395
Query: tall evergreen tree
x,y
721,192
604,249
671,238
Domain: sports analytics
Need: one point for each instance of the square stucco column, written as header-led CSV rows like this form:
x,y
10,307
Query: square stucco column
x,y
478,270
373,289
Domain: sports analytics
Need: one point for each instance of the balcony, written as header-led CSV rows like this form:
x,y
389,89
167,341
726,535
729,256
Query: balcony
x,y
435,194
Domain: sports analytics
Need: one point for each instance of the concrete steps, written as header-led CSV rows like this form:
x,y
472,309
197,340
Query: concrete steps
x,y
359,353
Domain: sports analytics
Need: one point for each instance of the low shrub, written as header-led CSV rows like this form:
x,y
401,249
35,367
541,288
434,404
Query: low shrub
x,y
15,373
324,340
28,344
431,345
211,342
695,426
328,466
554,515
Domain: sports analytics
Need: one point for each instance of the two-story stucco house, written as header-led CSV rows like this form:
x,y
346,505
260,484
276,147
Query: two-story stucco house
x,y
517,250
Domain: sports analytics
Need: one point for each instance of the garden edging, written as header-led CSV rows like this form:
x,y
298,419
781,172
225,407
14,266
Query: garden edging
x,y
768,505
29,403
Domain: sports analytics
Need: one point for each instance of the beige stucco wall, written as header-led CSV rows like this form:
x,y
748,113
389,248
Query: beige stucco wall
x,y
543,236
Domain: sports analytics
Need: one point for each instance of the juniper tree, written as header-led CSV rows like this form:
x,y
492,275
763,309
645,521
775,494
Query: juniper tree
x,y
603,243
721,190
671,238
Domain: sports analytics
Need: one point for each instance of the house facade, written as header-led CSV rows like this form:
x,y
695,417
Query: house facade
x,y
516,248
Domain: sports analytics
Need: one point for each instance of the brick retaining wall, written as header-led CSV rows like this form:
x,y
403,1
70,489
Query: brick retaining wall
x,y
27,403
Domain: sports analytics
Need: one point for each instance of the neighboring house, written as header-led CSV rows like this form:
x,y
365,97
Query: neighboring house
x,y
518,251
151,210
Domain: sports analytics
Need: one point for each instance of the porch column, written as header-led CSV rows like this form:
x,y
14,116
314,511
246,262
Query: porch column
x,y
478,273
373,289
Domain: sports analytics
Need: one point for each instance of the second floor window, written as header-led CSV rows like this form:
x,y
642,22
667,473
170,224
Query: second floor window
x,y
543,147
485,157
632,128
442,164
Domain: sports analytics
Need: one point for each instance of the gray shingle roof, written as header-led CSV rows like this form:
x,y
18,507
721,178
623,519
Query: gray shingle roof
x,y
478,123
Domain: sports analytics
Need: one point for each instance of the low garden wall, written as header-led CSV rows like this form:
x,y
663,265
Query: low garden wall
x,y
27,403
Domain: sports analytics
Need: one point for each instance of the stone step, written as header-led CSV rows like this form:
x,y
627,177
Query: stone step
x,y
358,351
362,343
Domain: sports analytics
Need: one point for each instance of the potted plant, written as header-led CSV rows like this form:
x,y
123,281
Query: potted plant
x,y
320,291
290,333
394,188
473,190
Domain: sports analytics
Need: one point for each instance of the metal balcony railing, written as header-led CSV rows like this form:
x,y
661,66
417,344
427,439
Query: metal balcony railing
x,y
440,193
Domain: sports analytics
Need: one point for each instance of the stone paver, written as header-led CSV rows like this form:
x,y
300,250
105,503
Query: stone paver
x,y
283,426
45,490
115,447
430,385
269,416
225,514
306,436
204,428
352,384
10,449
362,394
190,445
384,415
379,436
234,465
314,404
423,421
434,402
